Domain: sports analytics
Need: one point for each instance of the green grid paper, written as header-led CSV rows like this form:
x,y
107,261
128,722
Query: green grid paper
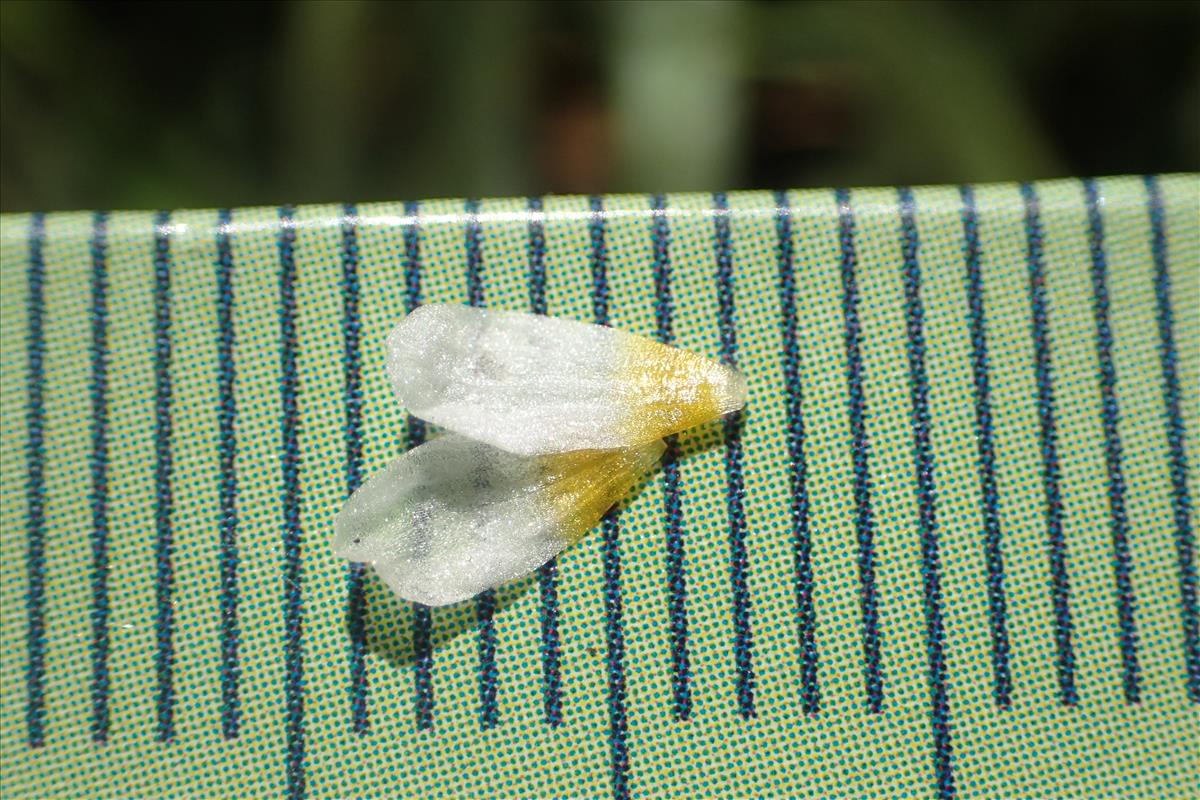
x,y
1103,747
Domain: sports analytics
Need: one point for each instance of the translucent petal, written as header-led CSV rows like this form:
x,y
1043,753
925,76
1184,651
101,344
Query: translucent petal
x,y
456,516
531,384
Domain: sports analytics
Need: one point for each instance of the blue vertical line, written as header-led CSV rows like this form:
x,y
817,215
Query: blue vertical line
x,y
672,504
618,719
1181,500
422,638
810,689
422,632
615,639
860,454
485,616
598,232
228,486
1110,413
293,611
1060,582
164,620
537,256
992,535
485,603
474,250
35,488
548,572
99,468
931,567
356,596
739,564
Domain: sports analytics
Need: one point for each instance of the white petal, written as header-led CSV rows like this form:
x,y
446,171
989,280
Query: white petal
x,y
532,384
455,516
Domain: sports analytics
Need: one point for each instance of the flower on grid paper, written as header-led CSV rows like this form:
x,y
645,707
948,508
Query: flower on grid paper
x,y
549,423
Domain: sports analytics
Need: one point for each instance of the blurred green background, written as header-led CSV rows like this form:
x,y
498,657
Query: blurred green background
x,y
131,105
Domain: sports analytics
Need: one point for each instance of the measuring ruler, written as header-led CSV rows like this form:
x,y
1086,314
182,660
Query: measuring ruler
x,y
948,549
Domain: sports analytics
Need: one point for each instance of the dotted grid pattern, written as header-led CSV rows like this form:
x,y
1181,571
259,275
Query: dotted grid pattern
x,y
174,623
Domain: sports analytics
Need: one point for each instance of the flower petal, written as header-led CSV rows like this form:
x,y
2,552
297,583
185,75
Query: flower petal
x,y
532,384
456,516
